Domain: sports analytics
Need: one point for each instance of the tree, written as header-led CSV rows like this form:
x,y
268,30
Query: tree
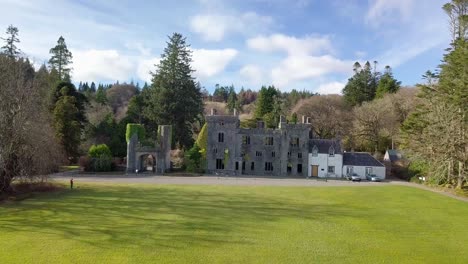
x,y
174,98
362,86
135,110
387,83
330,115
101,95
67,126
294,118
265,101
10,48
232,101
436,132
28,147
61,59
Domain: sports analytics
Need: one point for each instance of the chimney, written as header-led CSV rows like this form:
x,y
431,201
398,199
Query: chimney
x,y
282,121
260,124
213,111
303,120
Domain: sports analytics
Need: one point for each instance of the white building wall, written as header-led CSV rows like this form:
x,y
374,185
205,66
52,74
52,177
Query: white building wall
x,y
361,171
323,161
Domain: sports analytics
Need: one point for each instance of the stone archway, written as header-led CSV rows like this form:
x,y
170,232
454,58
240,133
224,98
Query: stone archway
x,y
148,162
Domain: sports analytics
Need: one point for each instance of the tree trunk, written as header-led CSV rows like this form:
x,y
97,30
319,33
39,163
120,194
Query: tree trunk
x,y
5,184
460,175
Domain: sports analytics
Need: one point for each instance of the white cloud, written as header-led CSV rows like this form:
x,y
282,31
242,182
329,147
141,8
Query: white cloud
x,y
291,45
253,73
297,68
208,63
92,65
331,88
215,27
383,11
145,67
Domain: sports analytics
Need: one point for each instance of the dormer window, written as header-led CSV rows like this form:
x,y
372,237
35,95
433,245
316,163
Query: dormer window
x,y
331,152
314,151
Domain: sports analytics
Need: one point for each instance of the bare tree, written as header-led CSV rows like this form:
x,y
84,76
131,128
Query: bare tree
x,y
28,147
329,113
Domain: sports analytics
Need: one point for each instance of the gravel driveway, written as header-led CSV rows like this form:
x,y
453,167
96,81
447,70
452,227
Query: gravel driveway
x,y
233,181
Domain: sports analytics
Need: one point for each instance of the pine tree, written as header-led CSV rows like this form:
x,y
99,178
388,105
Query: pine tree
x,y
10,48
67,126
362,86
61,59
265,101
93,87
174,98
232,102
435,134
387,84
101,95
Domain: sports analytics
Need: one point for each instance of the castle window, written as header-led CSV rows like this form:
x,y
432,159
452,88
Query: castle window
x,y
289,168
289,154
215,150
269,141
243,165
246,140
295,142
268,166
331,152
258,153
220,137
273,154
252,166
314,151
299,155
331,169
219,164
237,165
299,168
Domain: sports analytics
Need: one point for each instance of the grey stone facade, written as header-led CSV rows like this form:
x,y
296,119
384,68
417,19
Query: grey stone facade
x,y
161,152
260,151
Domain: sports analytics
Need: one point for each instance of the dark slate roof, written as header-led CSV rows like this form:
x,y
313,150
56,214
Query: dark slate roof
x,y
360,159
324,145
394,155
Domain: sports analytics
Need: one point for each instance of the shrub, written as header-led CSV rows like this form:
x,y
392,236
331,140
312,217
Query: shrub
x,y
96,151
194,157
101,157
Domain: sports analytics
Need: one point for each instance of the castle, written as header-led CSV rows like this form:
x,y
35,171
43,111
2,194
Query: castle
x,y
289,150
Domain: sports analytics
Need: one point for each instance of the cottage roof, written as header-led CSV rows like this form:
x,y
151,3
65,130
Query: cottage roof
x,y
323,145
360,159
394,155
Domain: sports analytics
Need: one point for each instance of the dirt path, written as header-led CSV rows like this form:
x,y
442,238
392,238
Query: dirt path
x,y
235,181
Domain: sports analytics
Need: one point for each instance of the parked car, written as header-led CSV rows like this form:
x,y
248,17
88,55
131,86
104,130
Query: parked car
x,y
353,177
373,178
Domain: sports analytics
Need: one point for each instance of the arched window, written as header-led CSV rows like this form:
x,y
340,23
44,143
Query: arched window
x,y
314,151
331,152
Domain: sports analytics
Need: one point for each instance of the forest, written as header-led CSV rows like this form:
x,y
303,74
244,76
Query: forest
x,y
48,119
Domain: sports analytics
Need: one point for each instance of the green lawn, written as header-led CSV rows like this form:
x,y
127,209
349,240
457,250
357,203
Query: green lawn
x,y
102,223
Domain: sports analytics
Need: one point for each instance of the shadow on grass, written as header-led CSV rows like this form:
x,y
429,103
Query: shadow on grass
x,y
166,217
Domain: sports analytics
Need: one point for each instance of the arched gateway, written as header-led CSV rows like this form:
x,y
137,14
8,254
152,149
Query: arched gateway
x,y
148,158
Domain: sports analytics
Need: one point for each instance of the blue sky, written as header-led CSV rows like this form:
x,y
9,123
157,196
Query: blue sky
x,y
293,44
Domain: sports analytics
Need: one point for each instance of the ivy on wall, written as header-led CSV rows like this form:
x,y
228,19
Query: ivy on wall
x,y
133,129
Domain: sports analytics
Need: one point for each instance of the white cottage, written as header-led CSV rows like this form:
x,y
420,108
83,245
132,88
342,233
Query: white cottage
x,y
362,164
325,159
